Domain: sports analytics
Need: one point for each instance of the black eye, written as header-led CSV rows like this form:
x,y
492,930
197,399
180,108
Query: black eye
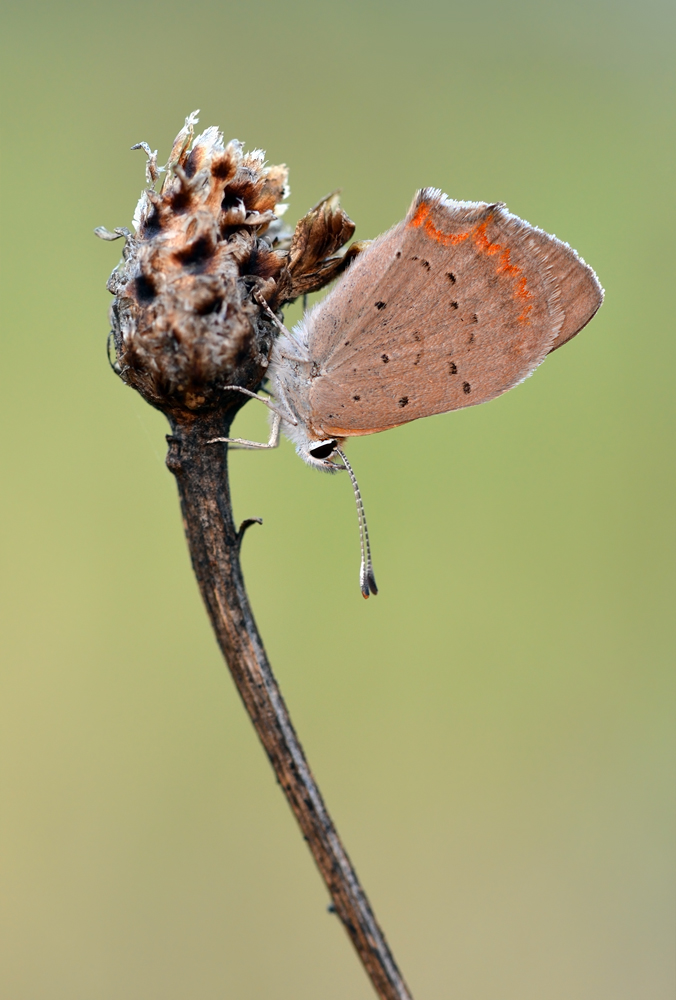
x,y
323,450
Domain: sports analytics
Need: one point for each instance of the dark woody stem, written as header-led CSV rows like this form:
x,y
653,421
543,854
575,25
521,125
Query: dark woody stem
x,y
201,473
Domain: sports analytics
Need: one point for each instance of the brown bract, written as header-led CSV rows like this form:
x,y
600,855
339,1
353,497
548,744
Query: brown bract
x,y
184,320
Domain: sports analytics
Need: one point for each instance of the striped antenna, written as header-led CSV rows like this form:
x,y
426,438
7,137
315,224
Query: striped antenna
x,y
367,579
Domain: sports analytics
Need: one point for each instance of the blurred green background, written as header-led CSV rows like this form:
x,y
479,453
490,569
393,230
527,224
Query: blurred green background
x,y
493,733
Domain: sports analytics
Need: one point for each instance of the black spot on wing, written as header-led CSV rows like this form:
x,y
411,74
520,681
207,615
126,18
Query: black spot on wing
x,y
452,368
425,264
356,398
385,358
451,277
380,305
454,305
403,401
466,388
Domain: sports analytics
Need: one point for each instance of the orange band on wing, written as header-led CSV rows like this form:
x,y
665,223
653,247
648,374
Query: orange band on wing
x,y
421,218
483,245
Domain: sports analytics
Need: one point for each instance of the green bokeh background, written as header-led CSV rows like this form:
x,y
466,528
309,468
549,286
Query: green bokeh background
x,y
493,732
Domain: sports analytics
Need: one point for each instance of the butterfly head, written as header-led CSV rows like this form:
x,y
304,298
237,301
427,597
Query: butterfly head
x,y
320,454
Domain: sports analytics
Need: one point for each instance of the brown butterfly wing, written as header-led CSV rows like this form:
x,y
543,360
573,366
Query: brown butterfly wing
x,y
579,288
452,307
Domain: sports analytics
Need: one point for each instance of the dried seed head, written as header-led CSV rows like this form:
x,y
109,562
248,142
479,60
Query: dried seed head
x,y
184,322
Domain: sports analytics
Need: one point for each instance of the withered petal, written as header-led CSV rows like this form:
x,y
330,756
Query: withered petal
x,y
319,234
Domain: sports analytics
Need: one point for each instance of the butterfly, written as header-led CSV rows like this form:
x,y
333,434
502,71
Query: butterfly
x,y
450,308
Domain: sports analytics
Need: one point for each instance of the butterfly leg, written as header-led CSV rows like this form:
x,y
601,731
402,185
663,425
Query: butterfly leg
x,y
290,336
269,313
251,445
284,415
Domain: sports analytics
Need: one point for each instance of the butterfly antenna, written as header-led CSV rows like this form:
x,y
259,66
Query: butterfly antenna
x,y
367,579
289,334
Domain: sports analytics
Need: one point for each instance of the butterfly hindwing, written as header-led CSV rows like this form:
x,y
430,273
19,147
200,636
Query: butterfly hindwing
x,y
451,307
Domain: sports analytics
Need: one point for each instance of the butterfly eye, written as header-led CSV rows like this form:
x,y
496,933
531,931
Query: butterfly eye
x,y
323,449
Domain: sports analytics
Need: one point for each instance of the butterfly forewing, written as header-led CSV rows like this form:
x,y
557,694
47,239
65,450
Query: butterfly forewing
x,y
452,307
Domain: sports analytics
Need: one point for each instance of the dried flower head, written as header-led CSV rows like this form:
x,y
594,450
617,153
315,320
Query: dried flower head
x,y
185,322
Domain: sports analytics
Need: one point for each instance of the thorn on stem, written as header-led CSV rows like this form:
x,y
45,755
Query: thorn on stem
x,y
243,527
